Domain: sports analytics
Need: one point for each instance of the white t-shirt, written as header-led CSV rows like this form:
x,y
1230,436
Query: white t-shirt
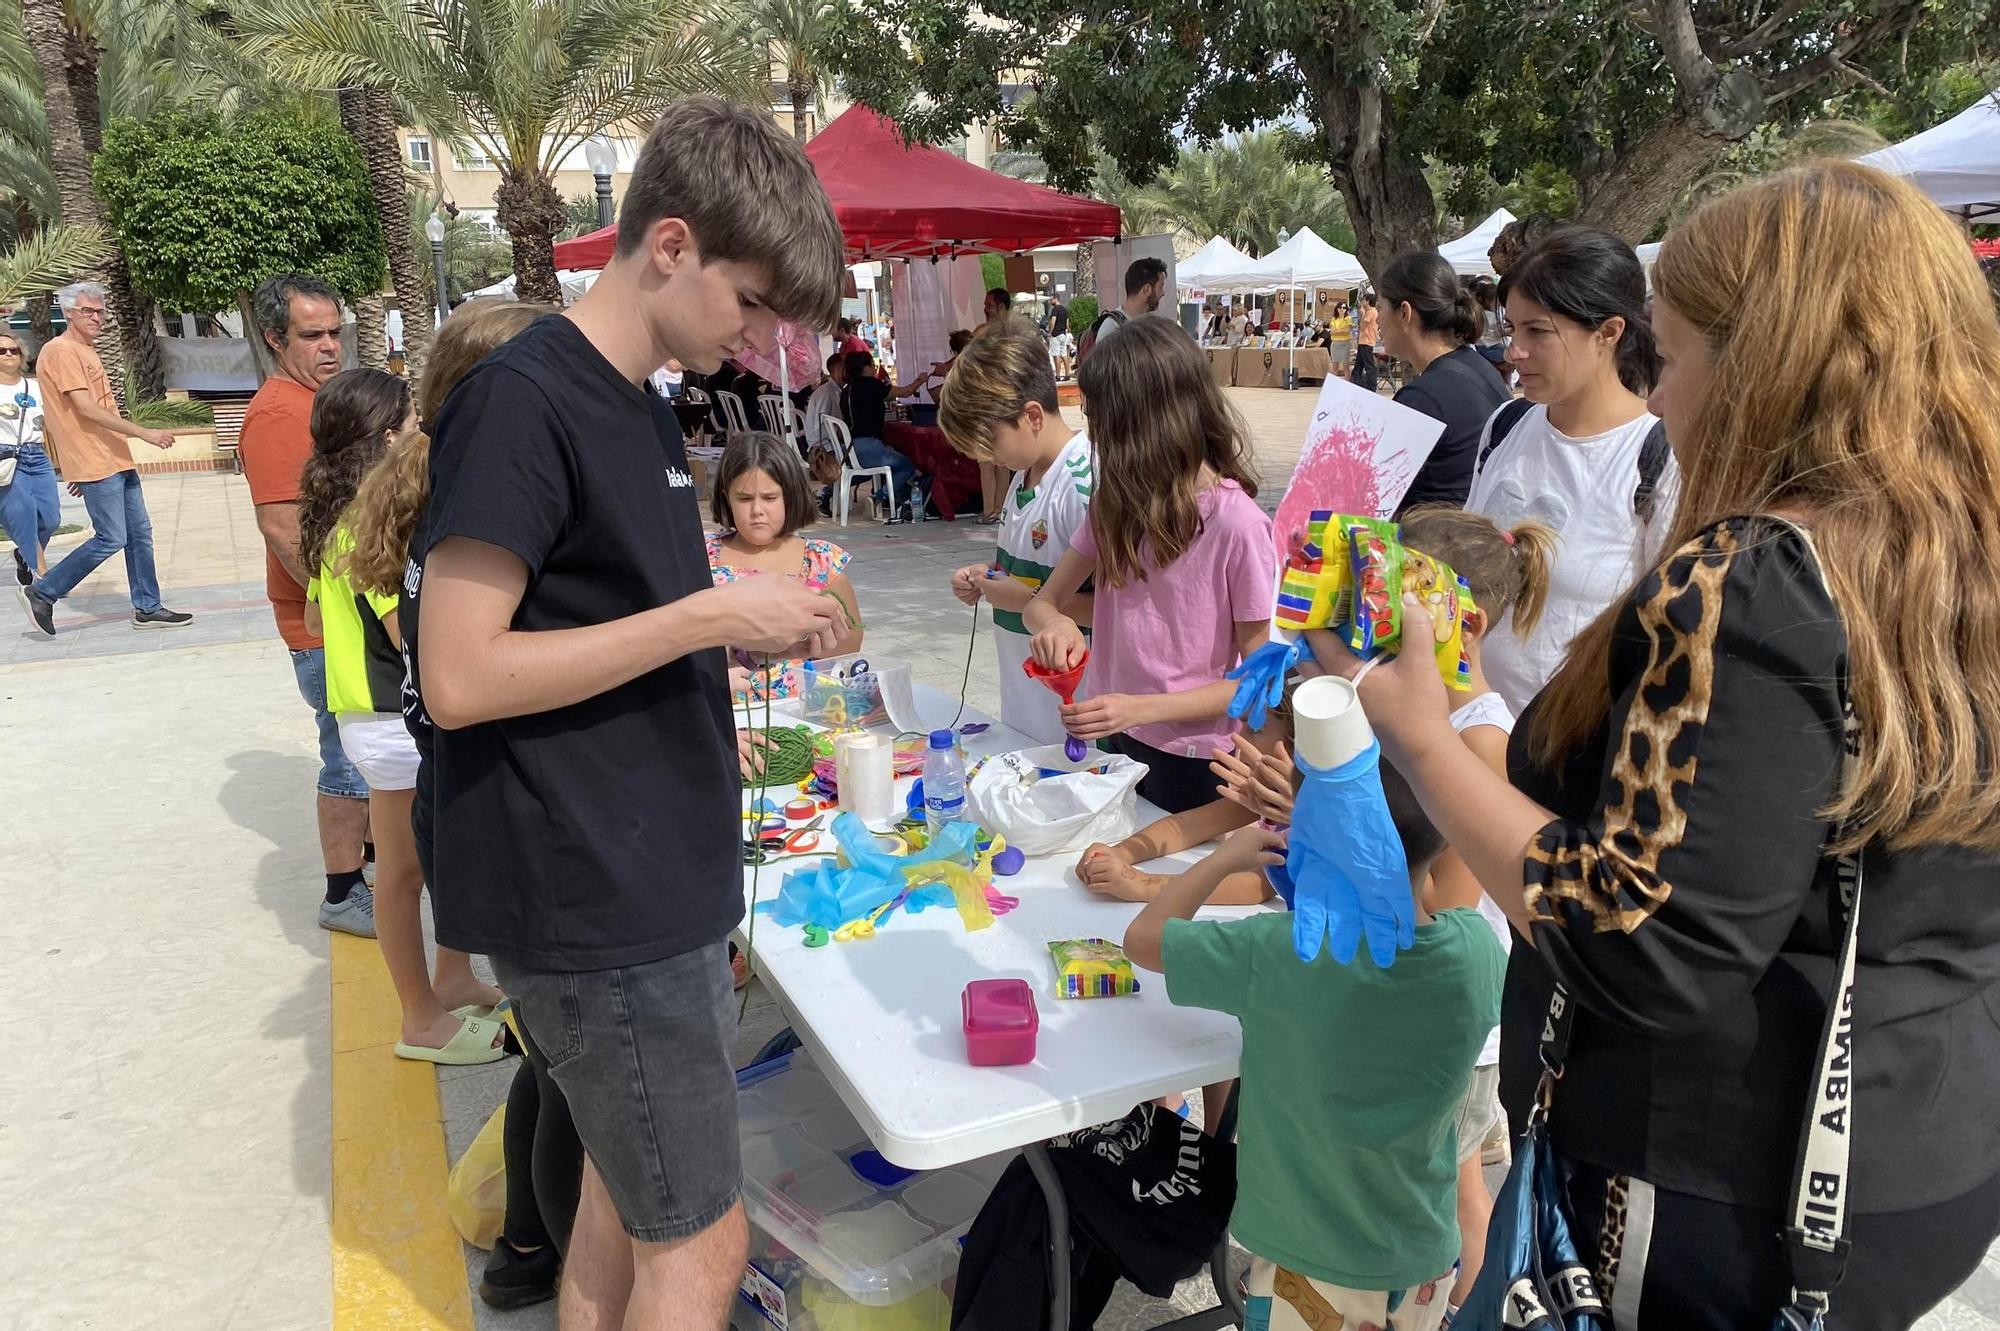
x,y
1489,709
1036,529
825,400
21,413
1583,489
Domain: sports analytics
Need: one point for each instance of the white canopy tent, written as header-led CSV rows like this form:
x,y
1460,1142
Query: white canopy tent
x,y
1304,261
1216,257
1467,254
1957,163
574,283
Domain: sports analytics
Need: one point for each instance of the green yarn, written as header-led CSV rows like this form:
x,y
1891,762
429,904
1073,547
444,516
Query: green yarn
x,y
787,755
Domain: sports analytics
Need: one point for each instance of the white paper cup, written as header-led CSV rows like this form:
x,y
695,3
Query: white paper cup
x,y
864,767
1328,725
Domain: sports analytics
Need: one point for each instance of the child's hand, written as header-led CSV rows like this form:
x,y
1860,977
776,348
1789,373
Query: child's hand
x,y
1250,849
966,583
1260,782
739,679
1106,714
1060,646
1099,851
750,745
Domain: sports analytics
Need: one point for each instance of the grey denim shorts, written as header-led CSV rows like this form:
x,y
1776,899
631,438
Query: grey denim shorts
x,y
642,1053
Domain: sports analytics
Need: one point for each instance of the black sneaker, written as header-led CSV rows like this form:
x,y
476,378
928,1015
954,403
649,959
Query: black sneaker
x,y
22,573
41,614
519,1280
162,618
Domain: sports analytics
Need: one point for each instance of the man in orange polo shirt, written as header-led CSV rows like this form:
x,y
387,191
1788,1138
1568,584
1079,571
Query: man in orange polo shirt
x,y
81,418
300,321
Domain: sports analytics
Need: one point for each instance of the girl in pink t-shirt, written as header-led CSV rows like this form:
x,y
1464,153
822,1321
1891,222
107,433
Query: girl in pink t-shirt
x,y
1182,557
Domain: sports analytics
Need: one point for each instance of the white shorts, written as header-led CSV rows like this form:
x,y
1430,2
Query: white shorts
x,y
380,747
1477,1113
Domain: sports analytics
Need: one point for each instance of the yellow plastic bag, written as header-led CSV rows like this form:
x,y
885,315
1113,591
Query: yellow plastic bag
x,y
476,1193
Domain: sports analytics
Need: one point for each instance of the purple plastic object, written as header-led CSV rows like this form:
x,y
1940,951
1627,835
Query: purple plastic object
x,y
1009,862
1075,749
1000,1022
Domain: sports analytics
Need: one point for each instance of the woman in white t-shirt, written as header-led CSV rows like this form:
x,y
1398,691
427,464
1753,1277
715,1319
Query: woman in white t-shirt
x,y
1583,457
30,507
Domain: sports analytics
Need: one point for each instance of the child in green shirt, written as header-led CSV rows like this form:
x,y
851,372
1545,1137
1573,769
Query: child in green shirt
x,y
1352,1077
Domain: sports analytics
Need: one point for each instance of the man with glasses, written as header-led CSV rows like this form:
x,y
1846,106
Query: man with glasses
x,y
90,445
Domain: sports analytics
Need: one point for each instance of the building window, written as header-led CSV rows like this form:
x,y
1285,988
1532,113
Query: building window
x,y
473,158
419,150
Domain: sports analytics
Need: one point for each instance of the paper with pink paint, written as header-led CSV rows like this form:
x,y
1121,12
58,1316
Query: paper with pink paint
x,y
1361,453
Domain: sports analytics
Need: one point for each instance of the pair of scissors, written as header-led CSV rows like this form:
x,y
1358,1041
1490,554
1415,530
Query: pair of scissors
x,y
795,841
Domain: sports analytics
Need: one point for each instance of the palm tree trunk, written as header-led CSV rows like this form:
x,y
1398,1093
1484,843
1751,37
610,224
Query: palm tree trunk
x,y
371,337
530,210
802,98
45,25
407,271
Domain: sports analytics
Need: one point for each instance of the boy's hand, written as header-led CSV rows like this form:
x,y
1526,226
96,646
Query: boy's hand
x,y
1106,714
966,583
1250,849
1058,647
1260,782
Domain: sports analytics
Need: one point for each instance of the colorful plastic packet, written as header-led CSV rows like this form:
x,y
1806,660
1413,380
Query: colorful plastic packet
x,y
1313,591
1092,968
1381,570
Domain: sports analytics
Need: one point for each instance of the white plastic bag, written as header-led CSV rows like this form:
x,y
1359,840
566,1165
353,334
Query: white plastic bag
x,y
1076,804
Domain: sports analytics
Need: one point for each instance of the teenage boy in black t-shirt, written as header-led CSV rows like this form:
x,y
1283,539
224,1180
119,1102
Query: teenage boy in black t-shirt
x,y
568,645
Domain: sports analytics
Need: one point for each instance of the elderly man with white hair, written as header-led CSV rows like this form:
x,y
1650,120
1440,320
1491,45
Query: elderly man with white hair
x,y
89,438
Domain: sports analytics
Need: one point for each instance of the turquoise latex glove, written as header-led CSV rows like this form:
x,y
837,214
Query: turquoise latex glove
x,y
1261,680
1349,877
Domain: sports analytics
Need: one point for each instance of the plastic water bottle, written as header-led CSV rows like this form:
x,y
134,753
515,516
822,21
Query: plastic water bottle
x,y
944,782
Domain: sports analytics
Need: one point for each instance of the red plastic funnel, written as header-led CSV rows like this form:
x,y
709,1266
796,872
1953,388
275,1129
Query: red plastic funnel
x,y
1062,683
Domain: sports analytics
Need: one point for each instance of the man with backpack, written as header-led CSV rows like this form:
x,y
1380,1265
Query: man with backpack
x,y
1145,288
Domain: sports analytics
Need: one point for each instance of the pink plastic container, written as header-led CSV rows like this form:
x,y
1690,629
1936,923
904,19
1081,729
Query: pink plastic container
x,y
1000,1022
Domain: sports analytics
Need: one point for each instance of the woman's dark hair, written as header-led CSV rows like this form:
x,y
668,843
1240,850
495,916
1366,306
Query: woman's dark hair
x,y
759,450
1589,277
959,340
1431,287
352,415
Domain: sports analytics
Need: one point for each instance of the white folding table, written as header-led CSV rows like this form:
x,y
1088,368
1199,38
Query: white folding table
x,y
881,1016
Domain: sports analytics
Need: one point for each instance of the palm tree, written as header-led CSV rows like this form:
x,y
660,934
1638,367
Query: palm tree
x,y
49,258
524,81
1246,191
795,31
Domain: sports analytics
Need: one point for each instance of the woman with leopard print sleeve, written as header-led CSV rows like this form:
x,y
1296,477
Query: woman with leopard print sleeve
x,y
1678,785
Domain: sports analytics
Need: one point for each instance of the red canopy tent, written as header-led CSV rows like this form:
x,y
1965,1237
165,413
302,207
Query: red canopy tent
x,y
898,201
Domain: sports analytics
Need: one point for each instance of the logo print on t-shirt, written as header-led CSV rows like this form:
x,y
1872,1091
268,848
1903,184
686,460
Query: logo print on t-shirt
x,y
1039,534
679,479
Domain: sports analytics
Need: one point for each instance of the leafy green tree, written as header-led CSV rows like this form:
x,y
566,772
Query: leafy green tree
x,y
526,82
1246,190
205,210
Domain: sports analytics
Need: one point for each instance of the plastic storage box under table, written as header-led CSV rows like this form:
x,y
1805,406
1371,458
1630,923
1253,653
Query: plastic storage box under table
x,y
841,1240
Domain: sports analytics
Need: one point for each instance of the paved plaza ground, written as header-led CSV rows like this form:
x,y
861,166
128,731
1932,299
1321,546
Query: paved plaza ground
x,y
202,1124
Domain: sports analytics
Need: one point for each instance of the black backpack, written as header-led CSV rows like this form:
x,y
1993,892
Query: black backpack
x,y
1653,454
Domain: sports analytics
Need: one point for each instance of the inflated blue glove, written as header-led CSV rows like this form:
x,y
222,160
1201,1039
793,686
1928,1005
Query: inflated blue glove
x,y
1349,876
1261,679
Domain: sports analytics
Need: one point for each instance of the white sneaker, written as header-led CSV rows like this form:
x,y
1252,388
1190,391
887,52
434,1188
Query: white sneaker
x,y
356,915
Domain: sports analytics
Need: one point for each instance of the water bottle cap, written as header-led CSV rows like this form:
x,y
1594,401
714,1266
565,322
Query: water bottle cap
x,y
944,739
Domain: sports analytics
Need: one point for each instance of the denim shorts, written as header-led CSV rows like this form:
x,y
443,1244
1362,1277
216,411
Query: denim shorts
x,y
337,776
642,1054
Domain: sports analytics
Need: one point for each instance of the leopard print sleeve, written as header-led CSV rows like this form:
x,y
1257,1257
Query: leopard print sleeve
x,y
1672,897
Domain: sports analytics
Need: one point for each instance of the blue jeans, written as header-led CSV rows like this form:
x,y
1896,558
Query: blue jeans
x,y
31,507
872,452
337,776
118,521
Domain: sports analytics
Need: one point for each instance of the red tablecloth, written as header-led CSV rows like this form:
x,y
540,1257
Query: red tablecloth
x,y
954,476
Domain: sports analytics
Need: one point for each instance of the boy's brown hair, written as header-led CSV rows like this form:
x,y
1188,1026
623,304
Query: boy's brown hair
x,y
749,194
991,384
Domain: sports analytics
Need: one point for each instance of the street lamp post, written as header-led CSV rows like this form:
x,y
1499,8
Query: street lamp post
x,y
434,228
603,160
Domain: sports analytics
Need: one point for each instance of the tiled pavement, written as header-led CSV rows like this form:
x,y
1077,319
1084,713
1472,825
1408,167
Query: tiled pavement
x,y
211,562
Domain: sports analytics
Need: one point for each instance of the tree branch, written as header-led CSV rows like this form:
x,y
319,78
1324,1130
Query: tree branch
x,y
1830,62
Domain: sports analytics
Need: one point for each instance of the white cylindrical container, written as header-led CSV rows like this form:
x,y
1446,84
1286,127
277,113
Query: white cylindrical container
x,y
1328,725
864,767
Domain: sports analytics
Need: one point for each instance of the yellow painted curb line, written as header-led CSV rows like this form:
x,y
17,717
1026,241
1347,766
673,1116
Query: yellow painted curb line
x,y
396,1258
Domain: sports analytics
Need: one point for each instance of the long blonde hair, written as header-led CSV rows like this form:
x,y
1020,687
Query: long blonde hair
x,y
383,516
1853,308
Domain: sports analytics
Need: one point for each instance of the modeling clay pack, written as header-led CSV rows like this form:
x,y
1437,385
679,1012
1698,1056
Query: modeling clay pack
x,y
1349,574
1091,968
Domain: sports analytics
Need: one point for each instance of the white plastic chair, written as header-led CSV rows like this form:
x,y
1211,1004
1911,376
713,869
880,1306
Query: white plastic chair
x,y
735,420
783,418
851,473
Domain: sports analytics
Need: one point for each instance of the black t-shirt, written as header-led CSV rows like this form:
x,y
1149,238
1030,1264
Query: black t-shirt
x,y
604,833
1460,388
1058,320
867,401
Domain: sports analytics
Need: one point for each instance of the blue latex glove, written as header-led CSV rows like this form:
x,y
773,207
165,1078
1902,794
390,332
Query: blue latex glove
x,y
1262,679
1349,876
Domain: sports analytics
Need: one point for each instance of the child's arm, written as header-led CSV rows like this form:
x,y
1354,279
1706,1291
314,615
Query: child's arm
x,y
1010,594
1248,850
1452,883
1059,640
1110,869
1115,713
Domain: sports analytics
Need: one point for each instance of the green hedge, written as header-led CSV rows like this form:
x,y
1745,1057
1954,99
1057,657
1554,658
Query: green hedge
x,y
175,412
1082,314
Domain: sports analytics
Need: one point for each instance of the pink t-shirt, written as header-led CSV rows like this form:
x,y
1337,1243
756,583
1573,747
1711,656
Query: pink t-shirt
x,y
1176,628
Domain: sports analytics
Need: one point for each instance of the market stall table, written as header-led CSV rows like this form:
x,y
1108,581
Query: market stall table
x,y
954,476
1221,364
881,1017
